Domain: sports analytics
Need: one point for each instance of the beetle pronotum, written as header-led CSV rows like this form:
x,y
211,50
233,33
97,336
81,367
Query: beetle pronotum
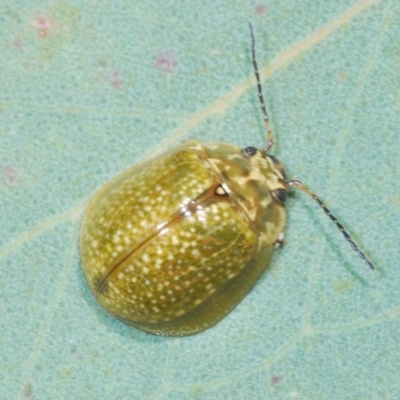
x,y
173,244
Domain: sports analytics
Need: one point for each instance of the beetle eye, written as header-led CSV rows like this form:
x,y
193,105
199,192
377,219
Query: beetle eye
x,y
249,151
281,195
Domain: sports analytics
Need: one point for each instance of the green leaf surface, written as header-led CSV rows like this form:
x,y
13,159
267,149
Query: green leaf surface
x,y
89,88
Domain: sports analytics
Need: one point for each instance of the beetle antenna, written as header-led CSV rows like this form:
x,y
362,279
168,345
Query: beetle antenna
x,y
304,188
270,140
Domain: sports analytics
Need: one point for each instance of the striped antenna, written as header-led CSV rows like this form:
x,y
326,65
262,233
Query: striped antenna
x,y
270,140
304,188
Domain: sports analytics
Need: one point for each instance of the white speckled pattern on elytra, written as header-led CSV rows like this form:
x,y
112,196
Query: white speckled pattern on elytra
x,y
153,287
173,244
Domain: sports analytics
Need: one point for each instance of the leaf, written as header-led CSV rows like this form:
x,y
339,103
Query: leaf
x,y
88,90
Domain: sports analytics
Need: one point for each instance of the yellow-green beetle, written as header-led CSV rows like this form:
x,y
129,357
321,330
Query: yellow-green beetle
x,y
173,244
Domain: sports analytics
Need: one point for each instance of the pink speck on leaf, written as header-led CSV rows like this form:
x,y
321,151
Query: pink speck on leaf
x,y
116,79
43,25
276,379
166,62
10,175
109,77
18,42
260,9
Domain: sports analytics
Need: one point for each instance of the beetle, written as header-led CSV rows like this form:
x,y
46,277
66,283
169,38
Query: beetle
x,y
173,244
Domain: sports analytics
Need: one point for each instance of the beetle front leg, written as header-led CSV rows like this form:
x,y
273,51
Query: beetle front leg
x,y
280,241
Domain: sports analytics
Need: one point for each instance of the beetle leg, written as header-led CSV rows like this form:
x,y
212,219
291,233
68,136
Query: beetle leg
x,y
280,241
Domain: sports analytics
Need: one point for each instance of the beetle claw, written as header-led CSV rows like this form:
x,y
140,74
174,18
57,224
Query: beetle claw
x,y
280,241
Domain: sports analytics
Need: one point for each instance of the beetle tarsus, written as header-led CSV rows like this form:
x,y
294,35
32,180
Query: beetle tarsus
x,y
280,241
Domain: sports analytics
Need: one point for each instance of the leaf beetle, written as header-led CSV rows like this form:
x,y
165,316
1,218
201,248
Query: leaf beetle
x,y
173,244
